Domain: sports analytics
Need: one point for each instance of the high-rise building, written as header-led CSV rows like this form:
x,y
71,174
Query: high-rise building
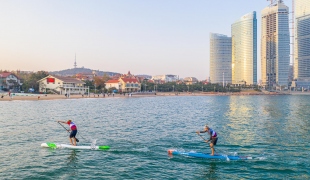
x,y
302,40
244,50
275,45
220,58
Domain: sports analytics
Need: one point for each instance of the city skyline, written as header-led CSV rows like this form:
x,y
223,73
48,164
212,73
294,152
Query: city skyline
x,y
154,37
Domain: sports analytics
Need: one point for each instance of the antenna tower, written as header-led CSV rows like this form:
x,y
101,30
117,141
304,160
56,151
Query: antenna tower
x,y
75,62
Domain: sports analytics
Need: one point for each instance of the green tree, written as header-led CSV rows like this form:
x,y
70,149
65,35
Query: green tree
x,y
31,80
99,83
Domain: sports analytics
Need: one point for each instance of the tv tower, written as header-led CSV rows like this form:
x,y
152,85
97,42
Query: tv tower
x,y
75,62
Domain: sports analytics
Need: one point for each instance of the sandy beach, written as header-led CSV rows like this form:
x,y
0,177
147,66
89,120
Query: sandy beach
x,y
39,97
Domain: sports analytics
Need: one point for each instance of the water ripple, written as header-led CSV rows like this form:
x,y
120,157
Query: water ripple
x,y
274,130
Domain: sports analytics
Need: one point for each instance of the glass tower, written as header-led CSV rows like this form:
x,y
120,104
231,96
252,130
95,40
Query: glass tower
x,y
244,50
302,40
275,45
220,58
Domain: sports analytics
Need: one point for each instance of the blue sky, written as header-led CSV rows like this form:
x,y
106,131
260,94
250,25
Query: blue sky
x,y
144,36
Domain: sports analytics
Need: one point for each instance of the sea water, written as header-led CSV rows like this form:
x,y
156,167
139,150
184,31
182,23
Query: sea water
x,y
274,130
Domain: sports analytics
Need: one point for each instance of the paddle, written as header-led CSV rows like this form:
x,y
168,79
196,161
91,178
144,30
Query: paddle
x,y
68,132
202,137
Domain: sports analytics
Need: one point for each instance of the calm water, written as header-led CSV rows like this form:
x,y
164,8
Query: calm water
x,y
272,129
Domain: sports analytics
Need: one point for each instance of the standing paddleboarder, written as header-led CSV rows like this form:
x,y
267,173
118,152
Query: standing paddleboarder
x,y
213,137
73,132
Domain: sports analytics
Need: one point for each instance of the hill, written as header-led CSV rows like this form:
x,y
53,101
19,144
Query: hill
x,y
74,71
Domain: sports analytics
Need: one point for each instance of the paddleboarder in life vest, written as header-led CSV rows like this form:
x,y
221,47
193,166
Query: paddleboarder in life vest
x,y
73,132
213,137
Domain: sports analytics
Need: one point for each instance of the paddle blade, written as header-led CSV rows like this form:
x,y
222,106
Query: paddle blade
x,y
104,147
51,145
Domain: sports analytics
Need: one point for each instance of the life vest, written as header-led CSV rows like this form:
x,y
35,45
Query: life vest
x,y
212,132
72,126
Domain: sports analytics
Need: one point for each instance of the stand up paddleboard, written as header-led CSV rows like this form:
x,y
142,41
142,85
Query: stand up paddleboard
x,y
208,156
57,146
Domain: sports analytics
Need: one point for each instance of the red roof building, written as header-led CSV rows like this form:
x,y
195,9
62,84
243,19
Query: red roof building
x,y
125,83
9,81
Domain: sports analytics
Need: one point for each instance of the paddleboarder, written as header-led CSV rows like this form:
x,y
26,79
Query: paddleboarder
x,y
73,132
213,137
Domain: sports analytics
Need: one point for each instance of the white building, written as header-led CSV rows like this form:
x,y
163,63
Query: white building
x,y
62,85
244,50
220,58
165,78
113,84
9,81
275,45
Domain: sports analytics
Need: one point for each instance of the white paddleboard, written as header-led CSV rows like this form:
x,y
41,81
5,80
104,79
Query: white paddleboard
x,y
59,146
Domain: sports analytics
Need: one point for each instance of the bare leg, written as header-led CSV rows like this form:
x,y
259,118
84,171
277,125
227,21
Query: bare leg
x,y
212,149
74,141
70,139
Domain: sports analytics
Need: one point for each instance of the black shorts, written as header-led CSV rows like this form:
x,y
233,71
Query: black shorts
x,y
214,140
73,133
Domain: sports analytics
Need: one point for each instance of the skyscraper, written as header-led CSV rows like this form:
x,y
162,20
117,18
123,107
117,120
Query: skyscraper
x,y
220,58
244,50
275,45
302,40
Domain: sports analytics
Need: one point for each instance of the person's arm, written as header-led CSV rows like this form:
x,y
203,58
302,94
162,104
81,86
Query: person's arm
x,y
62,122
198,132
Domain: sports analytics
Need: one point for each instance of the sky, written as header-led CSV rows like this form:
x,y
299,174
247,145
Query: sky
x,y
152,37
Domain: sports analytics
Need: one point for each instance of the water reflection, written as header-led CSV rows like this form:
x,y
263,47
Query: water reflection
x,y
210,172
239,120
71,160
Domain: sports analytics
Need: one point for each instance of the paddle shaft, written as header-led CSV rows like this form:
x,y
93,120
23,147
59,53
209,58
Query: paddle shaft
x,y
202,137
68,131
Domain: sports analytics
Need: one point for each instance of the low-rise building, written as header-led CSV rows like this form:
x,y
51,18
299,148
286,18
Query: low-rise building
x,y
165,78
301,83
130,84
190,80
85,76
124,84
9,81
62,85
113,84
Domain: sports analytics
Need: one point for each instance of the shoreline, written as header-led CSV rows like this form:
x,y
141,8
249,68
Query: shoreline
x,y
40,97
